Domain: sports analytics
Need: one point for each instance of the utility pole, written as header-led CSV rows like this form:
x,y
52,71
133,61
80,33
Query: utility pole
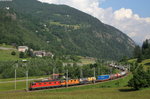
x,y
16,66
129,68
53,72
49,75
101,68
94,75
111,71
81,73
67,79
26,73
26,80
15,78
98,71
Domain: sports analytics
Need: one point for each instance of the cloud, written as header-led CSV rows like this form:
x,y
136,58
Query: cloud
x,y
123,13
133,25
132,34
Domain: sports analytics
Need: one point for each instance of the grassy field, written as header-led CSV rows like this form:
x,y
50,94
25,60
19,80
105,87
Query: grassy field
x,y
145,63
6,55
86,61
10,86
90,93
97,93
132,60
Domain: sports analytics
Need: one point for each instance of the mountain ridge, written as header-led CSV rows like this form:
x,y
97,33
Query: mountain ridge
x,y
63,30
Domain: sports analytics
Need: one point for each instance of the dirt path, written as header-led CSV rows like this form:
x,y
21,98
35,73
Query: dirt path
x,y
17,81
4,48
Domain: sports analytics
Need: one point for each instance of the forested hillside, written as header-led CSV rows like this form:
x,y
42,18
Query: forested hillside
x,y
61,30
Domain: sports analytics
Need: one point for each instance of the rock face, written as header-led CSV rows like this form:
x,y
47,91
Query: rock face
x,y
61,29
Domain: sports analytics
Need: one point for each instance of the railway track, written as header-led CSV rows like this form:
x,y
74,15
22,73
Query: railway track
x,y
14,91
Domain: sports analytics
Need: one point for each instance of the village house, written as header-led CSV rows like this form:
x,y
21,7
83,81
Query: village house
x,y
22,48
49,54
39,53
42,53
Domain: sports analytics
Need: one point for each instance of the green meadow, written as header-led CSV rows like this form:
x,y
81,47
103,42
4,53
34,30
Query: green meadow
x,y
86,61
145,63
5,53
97,93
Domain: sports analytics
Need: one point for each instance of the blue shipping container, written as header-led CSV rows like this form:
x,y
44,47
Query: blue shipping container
x,y
103,77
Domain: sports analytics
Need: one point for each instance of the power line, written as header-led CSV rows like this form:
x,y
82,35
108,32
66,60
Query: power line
x,y
81,73
53,72
94,75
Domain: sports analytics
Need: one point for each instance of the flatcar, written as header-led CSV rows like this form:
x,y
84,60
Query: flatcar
x,y
87,80
114,76
102,78
83,80
70,82
123,73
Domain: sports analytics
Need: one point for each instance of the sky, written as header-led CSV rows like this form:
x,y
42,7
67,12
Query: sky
x,y
132,17
140,7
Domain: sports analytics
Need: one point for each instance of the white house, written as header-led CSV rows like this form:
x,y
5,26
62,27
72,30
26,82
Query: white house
x,y
22,48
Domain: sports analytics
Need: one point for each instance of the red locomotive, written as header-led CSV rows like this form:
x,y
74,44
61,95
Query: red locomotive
x,y
45,84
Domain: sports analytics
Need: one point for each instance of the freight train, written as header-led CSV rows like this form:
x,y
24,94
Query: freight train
x,y
72,82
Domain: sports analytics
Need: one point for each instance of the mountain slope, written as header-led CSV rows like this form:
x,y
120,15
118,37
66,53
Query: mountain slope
x,y
61,29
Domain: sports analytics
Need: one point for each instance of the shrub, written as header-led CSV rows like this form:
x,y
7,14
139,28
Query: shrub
x,y
13,53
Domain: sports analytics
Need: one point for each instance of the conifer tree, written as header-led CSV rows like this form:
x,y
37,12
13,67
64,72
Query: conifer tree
x,y
139,79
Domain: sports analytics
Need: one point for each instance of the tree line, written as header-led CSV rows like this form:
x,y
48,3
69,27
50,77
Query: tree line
x,y
142,52
45,66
